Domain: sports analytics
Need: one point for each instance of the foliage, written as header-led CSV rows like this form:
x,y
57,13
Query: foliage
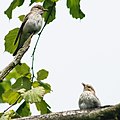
x,y
9,40
21,17
12,6
73,5
24,109
48,4
42,74
75,10
7,115
24,90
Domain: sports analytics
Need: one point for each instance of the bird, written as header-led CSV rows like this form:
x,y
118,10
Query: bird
x,y
88,99
31,24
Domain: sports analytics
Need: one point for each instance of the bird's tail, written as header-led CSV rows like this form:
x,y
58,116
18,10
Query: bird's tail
x,y
18,47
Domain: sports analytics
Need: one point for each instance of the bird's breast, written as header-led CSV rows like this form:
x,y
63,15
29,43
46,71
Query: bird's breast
x,y
88,100
33,24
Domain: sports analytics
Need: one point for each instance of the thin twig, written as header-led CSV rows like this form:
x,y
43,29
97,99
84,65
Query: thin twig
x,y
32,68
12,105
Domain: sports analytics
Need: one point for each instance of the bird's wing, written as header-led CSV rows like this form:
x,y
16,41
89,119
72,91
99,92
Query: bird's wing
x,y
96,101
21,28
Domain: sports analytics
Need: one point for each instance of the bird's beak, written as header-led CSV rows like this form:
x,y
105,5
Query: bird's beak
x,y
45,9
83,84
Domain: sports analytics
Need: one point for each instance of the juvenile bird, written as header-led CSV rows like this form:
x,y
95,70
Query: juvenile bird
x,y
31,24
88,98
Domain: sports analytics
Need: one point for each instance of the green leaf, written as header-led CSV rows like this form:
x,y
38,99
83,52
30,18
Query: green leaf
x,y
12,74
32,1
1,92
34,95
35,84
22,82
7,115
12,6
1,114
42,74
23,69
21,17
24,109
11,97
48,4
4,86
43,107
75,11
9,40
46,86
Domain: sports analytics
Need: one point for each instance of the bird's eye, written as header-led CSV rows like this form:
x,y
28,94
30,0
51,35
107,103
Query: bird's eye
x,y
89,87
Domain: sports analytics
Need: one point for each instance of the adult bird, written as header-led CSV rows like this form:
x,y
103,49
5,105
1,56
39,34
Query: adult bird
x,y
88,98
31,24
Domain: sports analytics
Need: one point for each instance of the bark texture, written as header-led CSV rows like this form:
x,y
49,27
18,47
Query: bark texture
x,y
103,113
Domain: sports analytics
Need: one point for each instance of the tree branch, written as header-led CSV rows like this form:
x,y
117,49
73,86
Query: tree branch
x,y
16,60
107,113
